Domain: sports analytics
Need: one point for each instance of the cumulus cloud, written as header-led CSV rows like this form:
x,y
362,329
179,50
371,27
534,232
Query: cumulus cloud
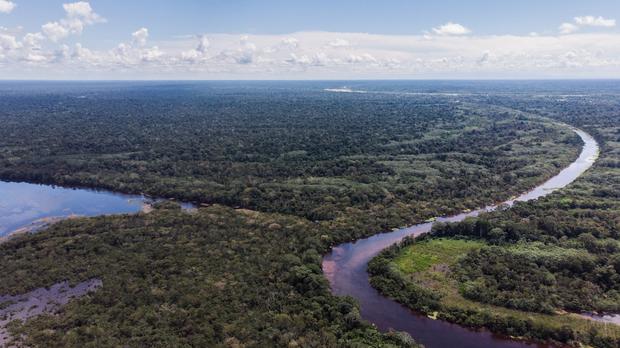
x,y
595,21
203,44
77,16
152,54
83,54
247,52
139,36
441,52
55,31
8,42
33,40
61,54
191,56
132,53
7,6
244,56
199,53
34,57
362,58
290,42
451,29
586,21
317,60
568,28
309,56
339,43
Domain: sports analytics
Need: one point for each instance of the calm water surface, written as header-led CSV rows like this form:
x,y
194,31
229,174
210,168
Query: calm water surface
x,y
24,205
345,268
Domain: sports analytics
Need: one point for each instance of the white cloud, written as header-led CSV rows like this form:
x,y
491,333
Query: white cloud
x,y
199,53
595,21
247,53
244,57
309,56
568,28
35,58
8,42
317,60
303,60
441,52
290,42
363,58
78,15
451,29
83,54
586,21
61,54
191,56
82,10
55,31
339,43
132,53
203,44
140,36
152,54
33,40
7,6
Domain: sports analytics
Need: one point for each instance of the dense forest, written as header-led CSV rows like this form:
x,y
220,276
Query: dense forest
x,y
305,169
318,155
536,263
215,277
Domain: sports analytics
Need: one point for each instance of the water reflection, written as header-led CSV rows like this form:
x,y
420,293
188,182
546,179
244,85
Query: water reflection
x,y
22,204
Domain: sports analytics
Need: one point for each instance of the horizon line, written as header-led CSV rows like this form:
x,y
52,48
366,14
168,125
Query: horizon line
x,y
317,80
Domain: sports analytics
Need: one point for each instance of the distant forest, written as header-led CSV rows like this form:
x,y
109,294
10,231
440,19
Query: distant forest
x,y
388,160
289,172
535,262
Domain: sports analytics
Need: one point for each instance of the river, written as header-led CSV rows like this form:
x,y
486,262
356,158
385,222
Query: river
x,y
345,268
25,206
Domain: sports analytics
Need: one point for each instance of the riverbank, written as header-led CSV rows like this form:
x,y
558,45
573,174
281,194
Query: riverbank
x,y
419,274
340,167
520,276
346,267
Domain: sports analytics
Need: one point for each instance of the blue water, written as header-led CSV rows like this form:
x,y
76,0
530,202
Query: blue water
x,y
23,204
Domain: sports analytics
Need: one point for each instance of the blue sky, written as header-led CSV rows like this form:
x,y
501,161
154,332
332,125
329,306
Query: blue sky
x,y
171,18
339,39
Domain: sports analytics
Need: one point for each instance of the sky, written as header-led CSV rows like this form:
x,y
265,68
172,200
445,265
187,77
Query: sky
x,y
319,39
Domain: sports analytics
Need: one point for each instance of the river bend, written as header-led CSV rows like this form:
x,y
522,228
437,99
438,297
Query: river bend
x,y
345,268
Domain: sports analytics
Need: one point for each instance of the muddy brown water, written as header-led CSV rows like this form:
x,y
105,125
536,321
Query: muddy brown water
x,y
23,205
345,268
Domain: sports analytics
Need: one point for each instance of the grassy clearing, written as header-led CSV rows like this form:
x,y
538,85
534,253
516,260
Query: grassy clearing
x,y
422,256
427,263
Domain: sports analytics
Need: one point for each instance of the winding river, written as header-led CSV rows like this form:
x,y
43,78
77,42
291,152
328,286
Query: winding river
x,y
345,268
25,207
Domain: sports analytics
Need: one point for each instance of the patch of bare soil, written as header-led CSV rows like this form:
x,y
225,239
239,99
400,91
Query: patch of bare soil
x,y
39,301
